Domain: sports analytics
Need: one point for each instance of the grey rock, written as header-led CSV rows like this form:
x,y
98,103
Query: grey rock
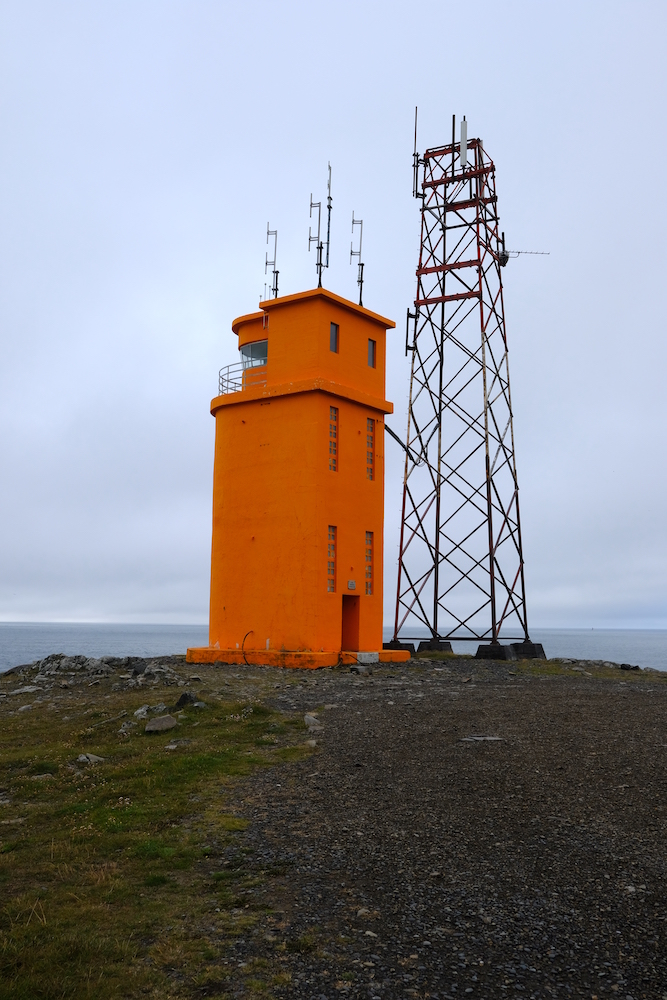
x,y
89,758
141,713
187,698
28,689
311,721
24,708
161,724
360,668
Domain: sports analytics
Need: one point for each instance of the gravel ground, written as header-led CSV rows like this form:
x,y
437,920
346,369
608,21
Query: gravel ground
x,y
406,859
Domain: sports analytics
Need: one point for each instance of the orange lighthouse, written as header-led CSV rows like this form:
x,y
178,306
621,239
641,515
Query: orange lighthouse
x,y
298,487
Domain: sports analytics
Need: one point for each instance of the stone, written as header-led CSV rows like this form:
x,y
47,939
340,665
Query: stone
x,y
24,708
187,698
161,724
311,721
142,712
127,725
89,758
28,689
175,744
360,668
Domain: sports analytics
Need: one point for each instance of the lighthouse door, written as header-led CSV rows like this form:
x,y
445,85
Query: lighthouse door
x,y
350,633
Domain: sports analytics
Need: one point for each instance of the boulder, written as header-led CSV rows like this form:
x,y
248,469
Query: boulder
x,y
161,724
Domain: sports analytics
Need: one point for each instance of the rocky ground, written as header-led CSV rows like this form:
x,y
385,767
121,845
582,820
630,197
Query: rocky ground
x,y
461,829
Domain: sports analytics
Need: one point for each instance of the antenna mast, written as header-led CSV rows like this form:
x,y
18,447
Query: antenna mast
x,y
328,213
272,263
320,263
460,572
357,253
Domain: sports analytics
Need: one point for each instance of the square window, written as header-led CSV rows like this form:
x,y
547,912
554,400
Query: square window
x,y
333,338
371,353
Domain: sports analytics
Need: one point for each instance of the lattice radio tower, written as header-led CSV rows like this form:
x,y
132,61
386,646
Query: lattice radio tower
x,y
460,570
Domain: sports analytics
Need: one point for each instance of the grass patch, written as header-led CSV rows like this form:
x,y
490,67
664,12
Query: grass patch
x,y
107,870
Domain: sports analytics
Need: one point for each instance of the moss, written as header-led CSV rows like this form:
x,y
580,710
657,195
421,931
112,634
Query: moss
x,y
105,869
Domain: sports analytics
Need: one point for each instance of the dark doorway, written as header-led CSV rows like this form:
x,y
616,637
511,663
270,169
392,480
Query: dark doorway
x,y
350,636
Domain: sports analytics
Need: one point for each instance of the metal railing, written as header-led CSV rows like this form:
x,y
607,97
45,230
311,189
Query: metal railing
x,y
235,378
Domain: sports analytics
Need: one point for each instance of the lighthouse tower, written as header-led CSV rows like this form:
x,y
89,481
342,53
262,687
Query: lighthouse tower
x,y
298,487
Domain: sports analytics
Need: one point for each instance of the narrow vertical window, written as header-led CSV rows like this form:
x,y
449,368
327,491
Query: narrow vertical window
x,y
331,560
371,354
370,448
369,562
333,439
333,338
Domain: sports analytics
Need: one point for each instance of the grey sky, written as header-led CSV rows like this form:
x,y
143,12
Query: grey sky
x,y
144,146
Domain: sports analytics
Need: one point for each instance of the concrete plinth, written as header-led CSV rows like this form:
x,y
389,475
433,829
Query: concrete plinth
x,y
306,660
511,651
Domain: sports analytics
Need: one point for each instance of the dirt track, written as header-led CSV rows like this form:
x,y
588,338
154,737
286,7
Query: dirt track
x,y
405,860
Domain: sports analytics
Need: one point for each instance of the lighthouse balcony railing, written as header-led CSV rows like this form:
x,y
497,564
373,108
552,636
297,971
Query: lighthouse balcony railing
x,y
235,378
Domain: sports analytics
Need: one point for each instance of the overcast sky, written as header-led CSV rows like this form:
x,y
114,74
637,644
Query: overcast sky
x,y
143,148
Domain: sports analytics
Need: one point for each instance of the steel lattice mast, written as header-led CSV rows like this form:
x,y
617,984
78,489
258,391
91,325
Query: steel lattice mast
x,y
460,568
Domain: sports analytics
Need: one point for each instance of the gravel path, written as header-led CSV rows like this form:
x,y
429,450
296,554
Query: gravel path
x,y
406,858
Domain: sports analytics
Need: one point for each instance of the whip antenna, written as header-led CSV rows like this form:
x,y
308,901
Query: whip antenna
x,y
357,253
272,263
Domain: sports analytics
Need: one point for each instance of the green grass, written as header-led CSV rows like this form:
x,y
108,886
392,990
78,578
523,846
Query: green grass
x,y
106,871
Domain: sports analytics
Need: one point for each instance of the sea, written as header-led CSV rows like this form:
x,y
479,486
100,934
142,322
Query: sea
x,y
640,647
24,642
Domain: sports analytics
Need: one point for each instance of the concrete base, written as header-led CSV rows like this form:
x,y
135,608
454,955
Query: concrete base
x,y
494,651
300,660
397,644
529,650
512,651
434,646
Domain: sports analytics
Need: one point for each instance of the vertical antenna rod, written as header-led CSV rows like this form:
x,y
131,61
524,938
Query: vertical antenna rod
x,y
316,239
321,262
267,262
328,213
357,253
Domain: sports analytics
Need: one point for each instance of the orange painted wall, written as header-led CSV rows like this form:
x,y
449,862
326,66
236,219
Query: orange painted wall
x,y
274,495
